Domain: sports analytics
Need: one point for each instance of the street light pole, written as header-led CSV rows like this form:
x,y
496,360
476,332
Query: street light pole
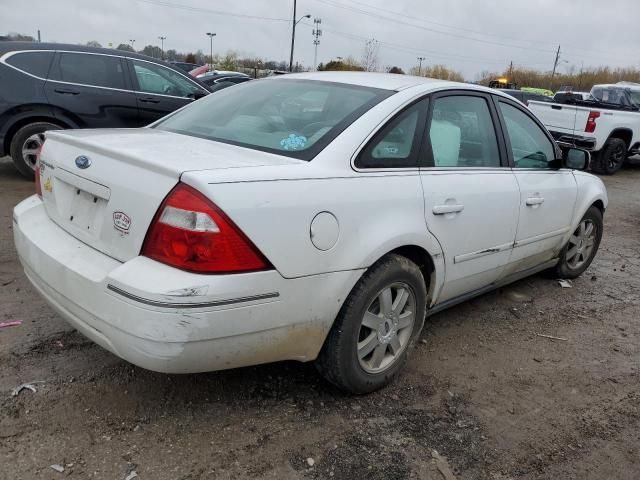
x,y
132,42
162,39
293,33
211,35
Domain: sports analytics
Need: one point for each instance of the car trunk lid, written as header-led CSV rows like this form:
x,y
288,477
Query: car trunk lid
x,y
105,186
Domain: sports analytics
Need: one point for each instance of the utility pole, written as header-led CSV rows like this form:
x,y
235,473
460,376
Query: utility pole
x,y
162,39
39,40
555,64
420,59
293,35
317,33
511,70
211,35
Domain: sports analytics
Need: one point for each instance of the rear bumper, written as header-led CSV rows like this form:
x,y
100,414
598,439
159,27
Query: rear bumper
x,y
167,320
586,143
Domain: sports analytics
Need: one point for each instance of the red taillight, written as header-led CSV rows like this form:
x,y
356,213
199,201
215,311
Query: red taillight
x,y
37,173
591,122
191,233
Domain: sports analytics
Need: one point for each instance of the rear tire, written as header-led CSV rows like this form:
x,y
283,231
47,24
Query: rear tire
x,y
578,253
611,158
25,144
376,328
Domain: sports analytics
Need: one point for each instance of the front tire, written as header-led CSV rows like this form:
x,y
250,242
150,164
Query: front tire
x,y
611,158
578,253
25,144
376,328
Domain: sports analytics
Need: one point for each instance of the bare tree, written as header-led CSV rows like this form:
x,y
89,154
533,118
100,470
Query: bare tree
x,y
370,56
93,43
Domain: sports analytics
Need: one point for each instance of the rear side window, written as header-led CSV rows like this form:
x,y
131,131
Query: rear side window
x,y
89,69
35,63
395,146
462,133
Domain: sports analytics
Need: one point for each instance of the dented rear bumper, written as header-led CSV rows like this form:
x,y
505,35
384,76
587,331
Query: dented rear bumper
x,y
168,320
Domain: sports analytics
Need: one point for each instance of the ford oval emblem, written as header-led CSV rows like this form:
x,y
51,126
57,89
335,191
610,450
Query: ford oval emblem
x,y
83,162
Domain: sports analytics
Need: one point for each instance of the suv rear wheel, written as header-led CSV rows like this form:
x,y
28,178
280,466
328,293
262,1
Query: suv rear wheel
x,y
25,144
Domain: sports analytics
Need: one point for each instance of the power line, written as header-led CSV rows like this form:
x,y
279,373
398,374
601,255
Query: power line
x,y
412,50
413,17
421,27
189,8
334,3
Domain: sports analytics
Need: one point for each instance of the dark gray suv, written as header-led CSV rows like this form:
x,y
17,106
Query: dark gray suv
x,y
55,86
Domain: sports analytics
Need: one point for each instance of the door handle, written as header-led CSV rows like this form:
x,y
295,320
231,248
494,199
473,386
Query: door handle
x,y
532,201
66,91
444,209
149,100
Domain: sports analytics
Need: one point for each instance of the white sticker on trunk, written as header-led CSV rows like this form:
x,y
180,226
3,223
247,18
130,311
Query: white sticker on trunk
x,y
121,222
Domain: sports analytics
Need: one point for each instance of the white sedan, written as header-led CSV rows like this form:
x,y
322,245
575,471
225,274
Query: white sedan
x,y
309,217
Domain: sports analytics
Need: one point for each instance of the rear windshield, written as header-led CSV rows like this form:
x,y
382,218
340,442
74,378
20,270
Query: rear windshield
x,y
617,95
296,118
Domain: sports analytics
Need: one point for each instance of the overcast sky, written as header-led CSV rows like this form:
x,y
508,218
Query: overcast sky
x,y
468,35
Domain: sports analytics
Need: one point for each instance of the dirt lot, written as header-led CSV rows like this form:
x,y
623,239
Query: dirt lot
x,y
483,397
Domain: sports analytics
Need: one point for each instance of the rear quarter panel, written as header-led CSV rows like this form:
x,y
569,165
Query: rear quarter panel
x,y
375,213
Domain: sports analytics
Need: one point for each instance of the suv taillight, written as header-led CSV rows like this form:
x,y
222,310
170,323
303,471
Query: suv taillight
x,y
590,127
190,232
37,173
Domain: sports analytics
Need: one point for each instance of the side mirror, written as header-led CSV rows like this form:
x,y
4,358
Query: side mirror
x,y
199,94
575,158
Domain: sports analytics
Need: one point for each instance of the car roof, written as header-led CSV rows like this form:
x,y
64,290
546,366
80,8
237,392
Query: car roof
x,y
386,81
6,47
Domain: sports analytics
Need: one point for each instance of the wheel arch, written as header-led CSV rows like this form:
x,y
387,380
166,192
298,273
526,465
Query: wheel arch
x,y
624,134
431,265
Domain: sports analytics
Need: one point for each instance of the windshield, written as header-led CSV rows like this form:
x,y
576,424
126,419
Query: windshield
x,y
296,118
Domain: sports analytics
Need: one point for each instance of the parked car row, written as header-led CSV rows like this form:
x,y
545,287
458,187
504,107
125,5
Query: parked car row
x,y
312,217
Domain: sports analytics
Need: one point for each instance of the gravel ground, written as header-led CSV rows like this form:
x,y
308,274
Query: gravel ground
x,y
483,396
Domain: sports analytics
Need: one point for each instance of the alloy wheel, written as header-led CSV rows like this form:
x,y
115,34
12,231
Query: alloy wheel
x,y
616,157
581,244
30,149
386,327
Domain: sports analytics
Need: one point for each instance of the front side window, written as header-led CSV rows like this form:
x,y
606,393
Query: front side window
x,y
35,63
530,147
296,118
89,69
395,145
156,79
462,133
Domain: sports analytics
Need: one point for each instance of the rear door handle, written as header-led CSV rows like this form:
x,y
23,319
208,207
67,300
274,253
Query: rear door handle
x,y
556,107
444,209
149,100
67,91
531,201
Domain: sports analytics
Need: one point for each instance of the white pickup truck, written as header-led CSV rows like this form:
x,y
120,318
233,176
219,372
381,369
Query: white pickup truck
x,y
608,125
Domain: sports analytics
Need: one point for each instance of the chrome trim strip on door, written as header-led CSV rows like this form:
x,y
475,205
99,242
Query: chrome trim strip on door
x,y
481,253
543,236
215,303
